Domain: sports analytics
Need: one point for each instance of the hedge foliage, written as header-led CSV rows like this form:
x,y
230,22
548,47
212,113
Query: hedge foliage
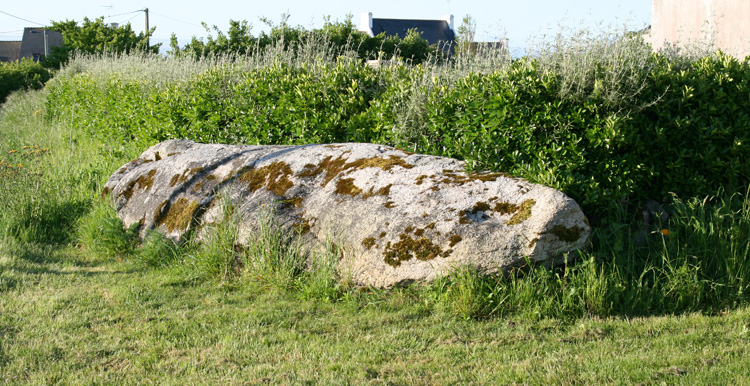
x,y
685,131
20,75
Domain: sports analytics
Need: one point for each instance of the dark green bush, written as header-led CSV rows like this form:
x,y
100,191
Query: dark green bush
x,y
21,75
684,131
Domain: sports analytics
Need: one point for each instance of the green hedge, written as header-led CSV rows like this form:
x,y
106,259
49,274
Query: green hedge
x,y
686,132
20,75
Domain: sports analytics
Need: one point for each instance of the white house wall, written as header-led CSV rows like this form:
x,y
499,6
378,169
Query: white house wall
x,y
723,23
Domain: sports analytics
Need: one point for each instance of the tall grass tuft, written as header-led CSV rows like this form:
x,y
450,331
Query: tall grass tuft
x,y
103,233
216,253
274,255
322,279
699,261
157,250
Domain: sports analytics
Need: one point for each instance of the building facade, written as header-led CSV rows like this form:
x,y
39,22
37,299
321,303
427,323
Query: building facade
x,y
722,24
36,44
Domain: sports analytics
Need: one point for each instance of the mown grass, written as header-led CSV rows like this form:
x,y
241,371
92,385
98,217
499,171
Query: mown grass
x,y
69,320
82,301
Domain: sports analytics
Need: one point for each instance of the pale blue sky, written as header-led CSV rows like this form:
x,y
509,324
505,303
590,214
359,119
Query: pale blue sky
x,y
518,21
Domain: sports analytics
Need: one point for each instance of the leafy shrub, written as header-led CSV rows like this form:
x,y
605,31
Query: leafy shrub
x,y
21,75
621,122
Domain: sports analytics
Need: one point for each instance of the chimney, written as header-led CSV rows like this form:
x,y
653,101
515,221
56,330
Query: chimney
x,y
365,23
449,19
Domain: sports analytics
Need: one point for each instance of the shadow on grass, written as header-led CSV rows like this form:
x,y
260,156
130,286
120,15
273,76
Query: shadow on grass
x,y
50,222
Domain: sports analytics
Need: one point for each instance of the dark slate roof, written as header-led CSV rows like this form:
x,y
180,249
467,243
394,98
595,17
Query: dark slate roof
x,y
33,41
9,51
433,31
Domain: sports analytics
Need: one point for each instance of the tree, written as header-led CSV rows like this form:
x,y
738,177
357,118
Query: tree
x,y
339,36
96,37
238,40
465,35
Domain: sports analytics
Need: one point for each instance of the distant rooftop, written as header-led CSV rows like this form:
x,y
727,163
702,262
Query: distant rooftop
x,y
36,43
434,31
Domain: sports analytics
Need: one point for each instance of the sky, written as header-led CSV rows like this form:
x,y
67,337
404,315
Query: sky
x,y
522,22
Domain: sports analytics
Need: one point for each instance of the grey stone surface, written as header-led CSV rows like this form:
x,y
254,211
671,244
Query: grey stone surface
x,y
401,217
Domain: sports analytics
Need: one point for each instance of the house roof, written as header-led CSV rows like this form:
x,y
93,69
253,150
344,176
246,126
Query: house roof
x,y
434,31
9,51
34,43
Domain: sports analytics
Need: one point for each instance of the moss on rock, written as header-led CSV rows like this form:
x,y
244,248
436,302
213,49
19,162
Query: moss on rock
x,y
408,248
273,177
179,215
346,186
524,212
566,234
368,242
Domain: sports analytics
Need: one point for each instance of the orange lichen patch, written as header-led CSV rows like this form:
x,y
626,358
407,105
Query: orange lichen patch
x,y
159,210
273,177
408,248
384,191
456,178
179,215
377,162
333,167
180,178
506,208
346,186
463,216
524,212
143,182
368,242
519,212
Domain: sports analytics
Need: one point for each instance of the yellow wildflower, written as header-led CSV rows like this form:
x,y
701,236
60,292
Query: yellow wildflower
x,y
665,232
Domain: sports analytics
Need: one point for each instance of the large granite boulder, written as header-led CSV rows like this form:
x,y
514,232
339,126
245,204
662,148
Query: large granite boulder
x,y
401,216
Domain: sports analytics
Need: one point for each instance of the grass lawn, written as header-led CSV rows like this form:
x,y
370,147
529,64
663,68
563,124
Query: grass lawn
x,y
68,319
83,302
